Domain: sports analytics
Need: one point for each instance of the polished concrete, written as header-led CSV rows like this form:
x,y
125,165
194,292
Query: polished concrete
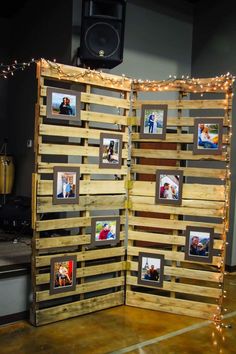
x,y
126,329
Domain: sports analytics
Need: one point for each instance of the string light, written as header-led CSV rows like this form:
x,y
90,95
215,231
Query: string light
x,y
7,70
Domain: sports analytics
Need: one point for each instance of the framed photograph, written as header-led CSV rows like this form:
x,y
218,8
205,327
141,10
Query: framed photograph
x,y
199,244
208,136
153,121
169,187
110,153
105,231
63,274
151,269
63,104
66,185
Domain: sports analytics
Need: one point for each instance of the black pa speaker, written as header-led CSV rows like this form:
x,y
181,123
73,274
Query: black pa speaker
x,y
102,33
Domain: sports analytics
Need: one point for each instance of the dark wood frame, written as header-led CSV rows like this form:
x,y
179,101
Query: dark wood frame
x,y
67,288
110,136
95,242
159,200
159,283
71,200
207,151
77,94
188,256
153,107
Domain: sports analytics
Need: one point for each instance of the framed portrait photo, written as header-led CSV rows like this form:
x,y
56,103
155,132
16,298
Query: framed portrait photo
x,y
105,230
150,269
199,244
66,185
110,152
169,185
63,274
153,121
63,104
208,136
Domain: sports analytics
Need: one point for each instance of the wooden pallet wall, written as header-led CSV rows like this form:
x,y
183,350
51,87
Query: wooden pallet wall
x,y
65,229
189,287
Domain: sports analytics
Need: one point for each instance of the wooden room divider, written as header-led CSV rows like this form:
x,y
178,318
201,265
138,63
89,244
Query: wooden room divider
x,y
98,217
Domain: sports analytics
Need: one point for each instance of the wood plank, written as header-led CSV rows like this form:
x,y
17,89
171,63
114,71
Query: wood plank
x,y
76,132
87,187
185,104
187,171
44,261
82,289
47,167
175,121
169,255
85,272
186,203
190,191
181,272
44,204
173,138
72,150
77,308
175,155
165,239
182,288
171,305
74,74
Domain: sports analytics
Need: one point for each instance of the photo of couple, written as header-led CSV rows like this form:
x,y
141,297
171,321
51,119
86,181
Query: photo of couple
x,y
169,187
110,151
66,185
208,136
153,121
151,269
63,274
105,230
199,243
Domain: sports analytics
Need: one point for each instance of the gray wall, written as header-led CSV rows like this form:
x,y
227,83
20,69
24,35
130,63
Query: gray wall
x,y
214,52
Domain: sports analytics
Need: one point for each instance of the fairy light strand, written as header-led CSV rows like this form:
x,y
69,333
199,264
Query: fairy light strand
x,y
8,70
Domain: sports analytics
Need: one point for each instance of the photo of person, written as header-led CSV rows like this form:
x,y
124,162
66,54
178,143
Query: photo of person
x,y
63,274
66,185
105,230
150,269
63,103
208,136
199,243
110,150
169,187
153,121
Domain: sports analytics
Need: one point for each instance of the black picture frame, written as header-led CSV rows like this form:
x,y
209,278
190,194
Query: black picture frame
x,y
110,151
153,121
63,274
63,104
151,269
66,185
208,135
199,244
105,235
169,186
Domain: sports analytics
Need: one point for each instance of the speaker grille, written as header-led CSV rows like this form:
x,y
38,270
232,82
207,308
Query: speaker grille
x,y
102,40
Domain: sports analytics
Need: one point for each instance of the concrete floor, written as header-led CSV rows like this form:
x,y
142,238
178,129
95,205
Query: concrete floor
x,y
126,329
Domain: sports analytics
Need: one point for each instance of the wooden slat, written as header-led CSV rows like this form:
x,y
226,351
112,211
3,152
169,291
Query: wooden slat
x,y
182,288
186,104
82,289
74,74
171,305
181,272
190,191
169,255
72,150
77,308
87,187
44,204
86,272
76,132
176,210
187,171
175,122
165,238
43,261
175,155
47,167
